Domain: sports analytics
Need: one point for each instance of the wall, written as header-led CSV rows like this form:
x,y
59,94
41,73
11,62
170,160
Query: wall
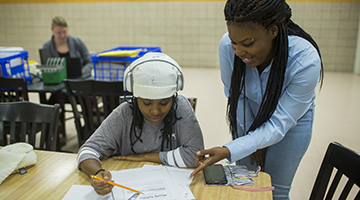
x,y
357,54
189,31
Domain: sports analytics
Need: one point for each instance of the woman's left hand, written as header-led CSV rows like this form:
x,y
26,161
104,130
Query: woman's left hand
x,y
259,155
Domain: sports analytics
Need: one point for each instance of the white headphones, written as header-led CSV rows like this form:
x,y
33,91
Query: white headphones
x,y
150,57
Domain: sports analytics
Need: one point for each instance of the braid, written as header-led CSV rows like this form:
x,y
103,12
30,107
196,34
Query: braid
x,y
275,81
138,121
294,29
237,84
169,121
263,12
266,13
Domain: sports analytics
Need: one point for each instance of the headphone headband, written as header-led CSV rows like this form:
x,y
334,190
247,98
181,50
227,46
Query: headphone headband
x,y
151,57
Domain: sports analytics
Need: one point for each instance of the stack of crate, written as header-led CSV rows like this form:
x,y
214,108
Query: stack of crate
x,y
14,64
111,68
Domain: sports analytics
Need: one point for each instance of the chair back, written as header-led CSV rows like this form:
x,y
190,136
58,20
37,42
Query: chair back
x,y
193,102
13,89
96,100
30,117
346,162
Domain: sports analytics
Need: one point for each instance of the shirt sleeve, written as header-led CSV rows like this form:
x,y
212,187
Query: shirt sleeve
x,y
103,142
51,46
84,52
297,97
189,135
46,45
226,58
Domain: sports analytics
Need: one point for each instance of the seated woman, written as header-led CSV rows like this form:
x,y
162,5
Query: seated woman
x,y
63,45
158,125
66,46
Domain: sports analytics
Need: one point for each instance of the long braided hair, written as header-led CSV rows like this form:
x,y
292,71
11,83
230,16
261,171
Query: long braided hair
x,y
266,13
138,121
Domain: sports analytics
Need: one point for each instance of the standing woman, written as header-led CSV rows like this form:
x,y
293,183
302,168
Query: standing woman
x,y
270,68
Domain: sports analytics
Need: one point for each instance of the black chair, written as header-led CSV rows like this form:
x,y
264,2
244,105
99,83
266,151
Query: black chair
x,y
192,100
30,117
13,89
96,99
347,163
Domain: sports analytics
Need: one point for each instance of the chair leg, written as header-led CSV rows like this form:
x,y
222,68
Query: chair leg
x,y
62,131
61,141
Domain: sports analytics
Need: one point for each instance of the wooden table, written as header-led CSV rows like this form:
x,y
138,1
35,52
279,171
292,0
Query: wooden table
x,y
56,172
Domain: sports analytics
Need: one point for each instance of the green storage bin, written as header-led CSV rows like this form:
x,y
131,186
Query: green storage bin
x,y
54,72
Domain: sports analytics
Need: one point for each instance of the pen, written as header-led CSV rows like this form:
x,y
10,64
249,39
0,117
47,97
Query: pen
x,y
112,183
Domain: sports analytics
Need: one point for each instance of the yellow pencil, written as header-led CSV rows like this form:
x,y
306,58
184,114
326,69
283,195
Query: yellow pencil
x,y
112,183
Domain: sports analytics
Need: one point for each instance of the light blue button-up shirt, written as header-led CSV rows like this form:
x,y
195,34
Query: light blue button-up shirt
x,y
297,95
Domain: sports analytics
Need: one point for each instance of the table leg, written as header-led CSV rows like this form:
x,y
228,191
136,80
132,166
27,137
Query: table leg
x,y
42,97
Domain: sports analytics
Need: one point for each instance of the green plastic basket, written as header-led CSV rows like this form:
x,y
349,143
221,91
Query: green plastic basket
x,y
54,72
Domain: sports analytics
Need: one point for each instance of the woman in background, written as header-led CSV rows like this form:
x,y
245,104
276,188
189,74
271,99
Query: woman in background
x,y
66,46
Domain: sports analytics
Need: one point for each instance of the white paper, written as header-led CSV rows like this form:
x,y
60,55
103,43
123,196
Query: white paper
x,y
181,179
86,192
155,182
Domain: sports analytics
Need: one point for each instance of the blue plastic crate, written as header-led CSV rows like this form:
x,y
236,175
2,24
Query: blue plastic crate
x,y
111,68
13,65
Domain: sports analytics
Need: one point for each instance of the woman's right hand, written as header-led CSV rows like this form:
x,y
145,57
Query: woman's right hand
x,y
102,187
208,157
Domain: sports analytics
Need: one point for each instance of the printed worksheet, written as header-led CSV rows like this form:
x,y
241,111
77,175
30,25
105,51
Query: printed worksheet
x,y
155,183
154,189
181,180
86,192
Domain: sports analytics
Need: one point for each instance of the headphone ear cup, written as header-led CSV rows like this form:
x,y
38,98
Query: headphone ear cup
x,y
128,82
179,82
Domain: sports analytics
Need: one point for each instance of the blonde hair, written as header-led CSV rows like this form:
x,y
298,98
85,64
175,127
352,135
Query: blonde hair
x,y
58,21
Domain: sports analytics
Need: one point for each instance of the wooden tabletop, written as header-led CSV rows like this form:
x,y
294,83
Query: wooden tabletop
x,y
56,172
